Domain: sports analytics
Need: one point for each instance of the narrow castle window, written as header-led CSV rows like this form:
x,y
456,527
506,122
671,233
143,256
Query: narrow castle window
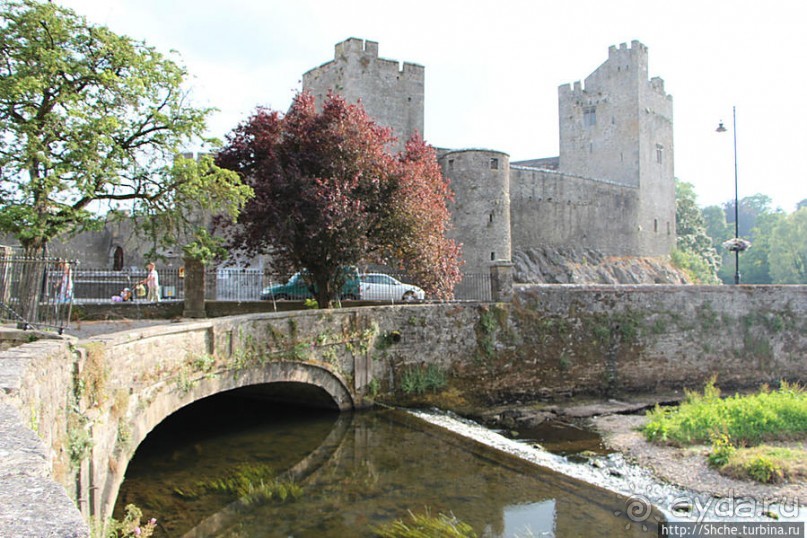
x,y
655,225
492,256
494,163
491,216
659,153
589,116
451,164
669,228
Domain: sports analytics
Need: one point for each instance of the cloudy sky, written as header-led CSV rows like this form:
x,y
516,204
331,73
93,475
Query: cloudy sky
x,y
493,68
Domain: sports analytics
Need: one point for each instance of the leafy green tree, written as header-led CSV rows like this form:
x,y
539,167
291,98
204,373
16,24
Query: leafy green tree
x,y
756,222
92,127
788,249
755,262
695,253
717,228
751,208
328,194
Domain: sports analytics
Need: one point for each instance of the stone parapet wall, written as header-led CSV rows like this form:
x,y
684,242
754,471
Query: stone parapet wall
x,y
35,383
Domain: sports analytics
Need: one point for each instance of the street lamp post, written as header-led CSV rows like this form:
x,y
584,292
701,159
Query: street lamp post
x,y
736,245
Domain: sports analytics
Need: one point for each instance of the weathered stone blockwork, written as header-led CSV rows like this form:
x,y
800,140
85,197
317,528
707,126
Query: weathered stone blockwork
x,y
610,339
37,490
557,210
93,402
392,93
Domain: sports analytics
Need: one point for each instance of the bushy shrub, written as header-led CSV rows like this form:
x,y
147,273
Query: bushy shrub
x,y
764,470
746,420
722,450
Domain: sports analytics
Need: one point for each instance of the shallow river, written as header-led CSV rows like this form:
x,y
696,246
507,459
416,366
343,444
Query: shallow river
x,y
355,471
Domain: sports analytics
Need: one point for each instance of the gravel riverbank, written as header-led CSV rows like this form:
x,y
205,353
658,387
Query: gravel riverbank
x,y
686,467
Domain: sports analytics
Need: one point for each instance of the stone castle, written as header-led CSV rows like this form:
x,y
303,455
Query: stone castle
x,y
611,191
610,194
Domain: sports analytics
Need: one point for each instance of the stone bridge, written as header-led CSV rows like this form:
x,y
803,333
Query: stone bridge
x,y
72,413
92,402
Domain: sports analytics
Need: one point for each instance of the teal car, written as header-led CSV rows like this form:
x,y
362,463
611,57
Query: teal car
x,y
297,289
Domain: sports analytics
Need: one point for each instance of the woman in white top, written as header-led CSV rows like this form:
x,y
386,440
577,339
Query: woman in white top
x,y
152,281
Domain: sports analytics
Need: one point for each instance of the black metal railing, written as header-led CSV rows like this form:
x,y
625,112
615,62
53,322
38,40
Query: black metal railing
x,y
104,286
36,292
251,284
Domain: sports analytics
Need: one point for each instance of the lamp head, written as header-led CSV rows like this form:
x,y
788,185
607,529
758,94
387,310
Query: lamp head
x,y
721,128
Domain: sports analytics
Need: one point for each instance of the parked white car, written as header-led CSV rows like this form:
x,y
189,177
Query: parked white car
x,y
381,287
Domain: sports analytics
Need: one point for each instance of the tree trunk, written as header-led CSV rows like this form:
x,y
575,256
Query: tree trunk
x,y
324,292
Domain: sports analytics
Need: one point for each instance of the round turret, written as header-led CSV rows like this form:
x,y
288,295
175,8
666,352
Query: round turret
x,y
480,179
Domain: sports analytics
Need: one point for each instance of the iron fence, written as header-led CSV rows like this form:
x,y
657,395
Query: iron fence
x,y
36,292
104,286
238,283
251,284
372,287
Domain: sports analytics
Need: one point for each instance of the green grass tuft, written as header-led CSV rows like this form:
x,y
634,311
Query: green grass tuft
x,y
426,526
419,380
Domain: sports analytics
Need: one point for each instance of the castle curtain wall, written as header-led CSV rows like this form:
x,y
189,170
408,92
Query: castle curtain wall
x,y
548,208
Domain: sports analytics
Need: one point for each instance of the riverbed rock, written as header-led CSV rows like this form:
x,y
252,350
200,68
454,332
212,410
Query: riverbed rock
x,y
509,418
609,407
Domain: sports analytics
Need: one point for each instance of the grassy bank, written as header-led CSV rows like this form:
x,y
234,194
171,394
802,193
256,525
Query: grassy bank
x,y
738,428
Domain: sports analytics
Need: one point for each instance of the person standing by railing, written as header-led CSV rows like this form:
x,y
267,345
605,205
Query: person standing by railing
x,y
65,286
152,282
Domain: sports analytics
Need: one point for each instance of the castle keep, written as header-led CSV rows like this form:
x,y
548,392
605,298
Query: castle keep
x,y
610,190
391,94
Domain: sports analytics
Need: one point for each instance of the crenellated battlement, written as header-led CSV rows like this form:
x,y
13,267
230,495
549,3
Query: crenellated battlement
x,y
636,49
355,46
364,52
390,91
623,62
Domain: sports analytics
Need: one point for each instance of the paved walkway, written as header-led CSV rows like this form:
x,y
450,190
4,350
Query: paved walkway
x,y
88,329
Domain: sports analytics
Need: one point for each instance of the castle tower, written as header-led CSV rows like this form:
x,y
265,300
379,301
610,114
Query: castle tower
x,y
393,95
618,127
480,180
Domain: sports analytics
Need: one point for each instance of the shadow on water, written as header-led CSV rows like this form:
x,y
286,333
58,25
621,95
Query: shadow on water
x,y
356,471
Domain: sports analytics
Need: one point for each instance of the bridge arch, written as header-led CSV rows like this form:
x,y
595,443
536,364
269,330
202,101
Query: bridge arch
x,y
309,384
